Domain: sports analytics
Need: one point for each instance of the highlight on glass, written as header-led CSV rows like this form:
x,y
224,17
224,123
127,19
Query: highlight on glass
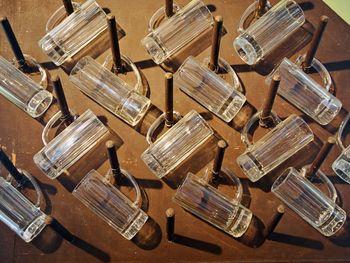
x,y
178,143
110,204
178,31
269,31
305,93
75,32
203,200
309,202
22,91
70,145
209,89
109,90
282,142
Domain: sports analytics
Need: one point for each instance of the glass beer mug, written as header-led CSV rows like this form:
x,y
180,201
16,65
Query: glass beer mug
x,y
203,200
309,202
75,32
105,200
178,31
109,90
70,145
305,93
179,142
283,141
209,89
269,31
22,90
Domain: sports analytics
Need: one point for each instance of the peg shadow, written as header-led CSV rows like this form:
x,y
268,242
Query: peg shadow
x,y
294,43
149,236
307,5
147,63
197,244
296,241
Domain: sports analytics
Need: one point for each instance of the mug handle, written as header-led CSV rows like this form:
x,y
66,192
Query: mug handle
x,y
156,124
159,16
341,131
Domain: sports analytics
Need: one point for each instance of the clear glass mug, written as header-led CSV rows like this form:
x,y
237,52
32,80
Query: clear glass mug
x,y
341,166
309,202
269,31
178,31
105,200
283,141
74,33
209,89
20,214
305,93
70,145
22,90
109,90
206,202
174,146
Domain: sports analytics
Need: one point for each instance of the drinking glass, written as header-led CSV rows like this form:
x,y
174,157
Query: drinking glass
x,y
59,15
174,146
178,31
70,145
206,202
209,89
105,200
75,32
309,202
269,31
305,93
285,140
249,13
22,90
341,166
159,16
18,213
109,90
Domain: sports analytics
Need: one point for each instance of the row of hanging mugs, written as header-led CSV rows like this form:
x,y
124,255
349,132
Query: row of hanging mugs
x,y
172,28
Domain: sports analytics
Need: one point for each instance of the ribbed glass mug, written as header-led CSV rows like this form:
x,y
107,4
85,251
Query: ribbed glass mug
x,y
105,200
206,202
174,146
18,213
70,145
286,139
209,89
178,31
75,32
110,91
305,93
309,202
22,90
269,31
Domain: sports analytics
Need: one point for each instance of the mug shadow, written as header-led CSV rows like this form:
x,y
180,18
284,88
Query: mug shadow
x,y
149,236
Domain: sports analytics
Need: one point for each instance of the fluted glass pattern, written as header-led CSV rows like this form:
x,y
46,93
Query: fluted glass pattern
x,y
105,200
22,91
177,144
286,139
70,145
341,165
269,31
178,31
309,202
209,89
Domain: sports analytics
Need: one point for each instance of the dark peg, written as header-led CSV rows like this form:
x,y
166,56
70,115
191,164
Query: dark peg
x,y
68,6
59,229
215,44
169,98
274,221
260,9
169,8
265,120
62,102
315,43
113,36
6,162
13,43
219,157
113,161
320,157
170,224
